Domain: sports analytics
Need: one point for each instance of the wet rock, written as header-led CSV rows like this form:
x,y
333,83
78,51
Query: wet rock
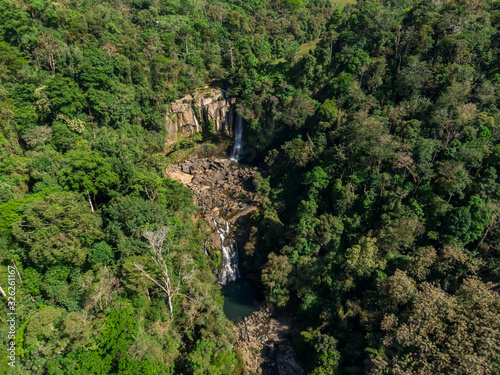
x,y
266,332
215,183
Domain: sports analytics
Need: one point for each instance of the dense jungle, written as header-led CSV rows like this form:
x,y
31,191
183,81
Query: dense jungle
x,y
373,129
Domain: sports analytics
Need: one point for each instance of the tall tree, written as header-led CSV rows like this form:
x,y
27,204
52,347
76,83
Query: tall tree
x,y
171,270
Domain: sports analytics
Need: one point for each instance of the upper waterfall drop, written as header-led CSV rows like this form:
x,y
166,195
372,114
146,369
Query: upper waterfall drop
x,y
238,140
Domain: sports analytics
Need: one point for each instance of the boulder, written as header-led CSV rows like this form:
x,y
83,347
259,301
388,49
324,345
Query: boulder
x,y
215,240
197,164
208,182
218,176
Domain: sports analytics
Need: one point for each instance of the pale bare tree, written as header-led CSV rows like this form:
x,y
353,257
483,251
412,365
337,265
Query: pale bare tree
x,y
171,278
102,290
231,52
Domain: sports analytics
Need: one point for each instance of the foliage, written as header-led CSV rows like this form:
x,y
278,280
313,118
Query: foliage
x,y
376,132
57,229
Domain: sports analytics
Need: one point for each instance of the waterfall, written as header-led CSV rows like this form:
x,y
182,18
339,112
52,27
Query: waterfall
x,y
229,266
238,139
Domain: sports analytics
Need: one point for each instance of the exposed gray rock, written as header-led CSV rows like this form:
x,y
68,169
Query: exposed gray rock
x,y
185,168
188,114
220,189
218,176
197,164
268,329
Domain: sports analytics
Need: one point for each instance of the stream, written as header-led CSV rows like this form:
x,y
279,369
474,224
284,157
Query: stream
x,y
225,194
228,270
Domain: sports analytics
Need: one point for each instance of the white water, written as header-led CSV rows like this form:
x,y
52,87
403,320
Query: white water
x,y
229,266
238,139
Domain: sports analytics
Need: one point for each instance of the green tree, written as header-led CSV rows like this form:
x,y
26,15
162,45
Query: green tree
x,y
86,171
445,332
58,228
11,60
101,253
275,275
364,258
41,328
205,360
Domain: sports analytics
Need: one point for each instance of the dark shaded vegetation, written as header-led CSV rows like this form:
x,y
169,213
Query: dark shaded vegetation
x,y
381,211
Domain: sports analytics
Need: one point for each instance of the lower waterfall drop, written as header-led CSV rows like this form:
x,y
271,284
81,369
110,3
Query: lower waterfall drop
x,y
238,140
229,265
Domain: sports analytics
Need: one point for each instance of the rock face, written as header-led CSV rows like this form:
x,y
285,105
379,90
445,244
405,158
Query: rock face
x,y
189,114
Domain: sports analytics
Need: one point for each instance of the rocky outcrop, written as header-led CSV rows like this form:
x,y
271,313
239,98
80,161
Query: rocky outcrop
x,y
263,339
220,188
189,114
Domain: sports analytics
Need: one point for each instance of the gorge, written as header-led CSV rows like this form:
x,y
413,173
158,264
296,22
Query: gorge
x,y
191,114
226,196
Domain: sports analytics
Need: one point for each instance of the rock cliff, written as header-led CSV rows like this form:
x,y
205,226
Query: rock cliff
x,y
189,114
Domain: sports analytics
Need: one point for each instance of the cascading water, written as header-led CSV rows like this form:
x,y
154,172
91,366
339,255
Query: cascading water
x,y
229,266
238,139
